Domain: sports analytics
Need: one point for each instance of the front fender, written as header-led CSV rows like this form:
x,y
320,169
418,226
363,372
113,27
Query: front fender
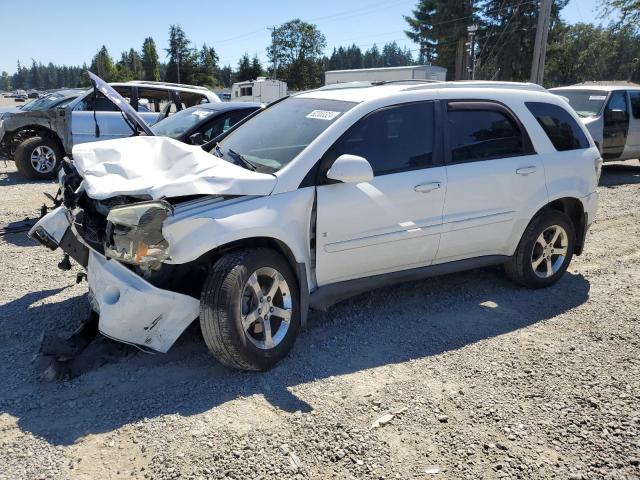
x,y
194,231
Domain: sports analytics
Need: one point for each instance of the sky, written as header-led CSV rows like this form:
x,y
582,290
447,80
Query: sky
x,y
72,31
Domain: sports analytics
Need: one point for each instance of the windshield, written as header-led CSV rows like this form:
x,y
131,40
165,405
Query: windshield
x,y
274,137
178,123
586,103
43,103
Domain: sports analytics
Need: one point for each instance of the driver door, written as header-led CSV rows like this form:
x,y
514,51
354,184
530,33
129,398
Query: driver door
x,y
616,125
393,222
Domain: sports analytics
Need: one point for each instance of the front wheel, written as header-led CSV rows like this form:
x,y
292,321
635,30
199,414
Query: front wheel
x,y
38,158
544,252
249,309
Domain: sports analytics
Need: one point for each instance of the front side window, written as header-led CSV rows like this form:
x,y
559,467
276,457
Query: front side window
x,y
635,104
275,136
476,135
561,128
393,139
618,101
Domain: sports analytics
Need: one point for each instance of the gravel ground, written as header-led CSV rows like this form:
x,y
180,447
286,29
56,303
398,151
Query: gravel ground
x,y
464,376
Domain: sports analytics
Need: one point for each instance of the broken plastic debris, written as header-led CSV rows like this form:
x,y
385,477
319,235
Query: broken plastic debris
x,y
432,469
383,420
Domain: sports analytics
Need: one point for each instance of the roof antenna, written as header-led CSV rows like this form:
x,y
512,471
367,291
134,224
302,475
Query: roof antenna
x,y
95,97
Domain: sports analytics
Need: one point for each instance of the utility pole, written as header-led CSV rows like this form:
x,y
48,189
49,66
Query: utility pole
x,y
542,35
470,73
275,57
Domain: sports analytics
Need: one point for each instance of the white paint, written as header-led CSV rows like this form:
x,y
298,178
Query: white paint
x,y
134,311
162,167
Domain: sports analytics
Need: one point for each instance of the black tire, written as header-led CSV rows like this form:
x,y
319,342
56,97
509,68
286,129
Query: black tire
x,y
221,303
23,158
520,269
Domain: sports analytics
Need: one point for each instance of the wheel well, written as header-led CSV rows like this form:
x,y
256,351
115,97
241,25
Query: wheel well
x,y
189,278
573,208
21,134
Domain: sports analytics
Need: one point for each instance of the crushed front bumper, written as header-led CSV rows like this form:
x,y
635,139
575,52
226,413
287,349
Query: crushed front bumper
x,y
131,309
134,311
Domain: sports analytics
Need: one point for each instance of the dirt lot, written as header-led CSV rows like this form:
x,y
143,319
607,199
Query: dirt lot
x,y
482,379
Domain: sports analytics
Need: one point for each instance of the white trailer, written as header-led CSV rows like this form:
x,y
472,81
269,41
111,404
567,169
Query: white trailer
x,y
416,72
261,90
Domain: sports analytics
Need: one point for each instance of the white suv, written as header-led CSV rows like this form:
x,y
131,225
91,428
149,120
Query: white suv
x,y
318,197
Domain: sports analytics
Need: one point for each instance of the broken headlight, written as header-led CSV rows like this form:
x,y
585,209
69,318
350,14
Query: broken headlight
x,y
134,233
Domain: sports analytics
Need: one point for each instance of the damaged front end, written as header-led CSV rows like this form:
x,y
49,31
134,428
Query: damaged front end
x,y
119,241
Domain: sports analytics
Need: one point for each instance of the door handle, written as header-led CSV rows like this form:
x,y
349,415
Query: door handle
x,y
526,170
427,187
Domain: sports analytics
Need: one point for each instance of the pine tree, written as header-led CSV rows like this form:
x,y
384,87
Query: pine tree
x,y
150,61
103,66
245,72
439,27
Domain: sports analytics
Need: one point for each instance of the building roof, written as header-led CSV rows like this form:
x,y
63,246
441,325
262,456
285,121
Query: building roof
x,y
390,69
605,86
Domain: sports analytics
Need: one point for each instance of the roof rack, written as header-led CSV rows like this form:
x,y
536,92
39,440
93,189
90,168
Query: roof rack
x,y
374,83
482,84
168,84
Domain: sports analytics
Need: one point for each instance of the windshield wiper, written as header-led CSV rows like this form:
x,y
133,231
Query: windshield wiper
x,y
218,150
250,166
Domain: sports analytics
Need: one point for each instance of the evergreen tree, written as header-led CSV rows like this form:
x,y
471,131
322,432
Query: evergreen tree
x,y
150,61
207,66
256,67
507,38
5,81
439,27
182,60
245,72
103,66
225,76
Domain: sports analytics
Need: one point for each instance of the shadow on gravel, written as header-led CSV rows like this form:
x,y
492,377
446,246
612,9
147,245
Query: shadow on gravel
x,y
616,174
12,177
388,326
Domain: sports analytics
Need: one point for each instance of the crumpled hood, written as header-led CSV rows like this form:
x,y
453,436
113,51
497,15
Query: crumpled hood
x,y
161,167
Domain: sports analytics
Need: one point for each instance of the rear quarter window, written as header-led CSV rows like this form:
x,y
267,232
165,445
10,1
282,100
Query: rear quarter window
x,y
561,128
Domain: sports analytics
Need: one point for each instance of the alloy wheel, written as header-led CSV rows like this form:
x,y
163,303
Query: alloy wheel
x,y
266,308
550,251
43,159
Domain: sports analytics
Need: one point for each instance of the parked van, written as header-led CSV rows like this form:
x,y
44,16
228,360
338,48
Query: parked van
x,y
611,113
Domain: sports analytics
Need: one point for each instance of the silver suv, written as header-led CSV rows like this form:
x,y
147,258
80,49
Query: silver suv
x,y
39,139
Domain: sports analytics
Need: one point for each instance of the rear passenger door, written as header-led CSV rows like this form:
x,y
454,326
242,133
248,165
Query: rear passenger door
x,y
493,176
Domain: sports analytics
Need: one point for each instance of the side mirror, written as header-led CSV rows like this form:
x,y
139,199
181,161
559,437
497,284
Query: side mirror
x,y
616,115
196,139
350,169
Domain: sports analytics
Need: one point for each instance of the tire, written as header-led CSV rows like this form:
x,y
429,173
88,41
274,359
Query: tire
x,y
544,226
49,158
228,298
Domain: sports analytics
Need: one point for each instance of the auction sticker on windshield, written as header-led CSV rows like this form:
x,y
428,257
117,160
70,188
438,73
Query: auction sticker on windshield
x,y
323,115
598,97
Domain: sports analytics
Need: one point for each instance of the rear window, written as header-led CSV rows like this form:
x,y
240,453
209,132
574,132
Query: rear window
x,y
561,128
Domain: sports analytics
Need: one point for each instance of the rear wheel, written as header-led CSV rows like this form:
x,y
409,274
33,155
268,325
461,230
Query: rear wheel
x,y
544,252
249,309
38,158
